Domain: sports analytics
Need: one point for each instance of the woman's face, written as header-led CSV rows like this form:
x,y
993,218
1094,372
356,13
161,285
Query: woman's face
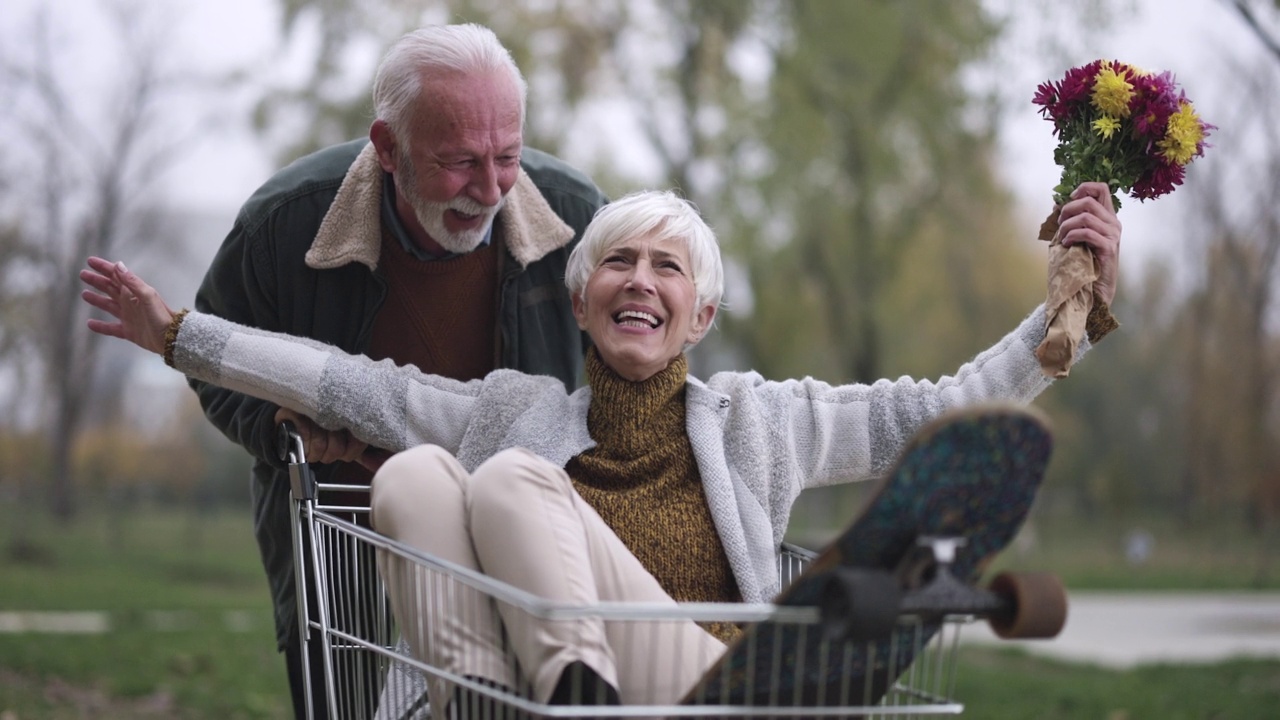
x,y
638,306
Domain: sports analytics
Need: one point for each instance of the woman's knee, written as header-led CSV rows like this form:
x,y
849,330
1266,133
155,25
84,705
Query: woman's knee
x,y
504,478
411,481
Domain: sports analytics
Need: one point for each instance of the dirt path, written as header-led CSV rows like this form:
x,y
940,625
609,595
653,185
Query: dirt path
x,y
1121,630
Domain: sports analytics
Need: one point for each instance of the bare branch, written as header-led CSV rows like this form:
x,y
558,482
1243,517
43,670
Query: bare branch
x,y
1264,36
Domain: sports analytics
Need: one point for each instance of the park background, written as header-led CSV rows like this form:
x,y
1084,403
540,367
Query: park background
x,y
876,173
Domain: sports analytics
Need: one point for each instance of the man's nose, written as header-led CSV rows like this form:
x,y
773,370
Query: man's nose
x,y
485,187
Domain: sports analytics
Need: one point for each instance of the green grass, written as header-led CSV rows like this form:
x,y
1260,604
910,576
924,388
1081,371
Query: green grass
x,y
997,684
210,654
146,559
1203,556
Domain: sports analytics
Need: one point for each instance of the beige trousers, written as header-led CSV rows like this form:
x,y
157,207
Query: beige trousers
x,y
518,519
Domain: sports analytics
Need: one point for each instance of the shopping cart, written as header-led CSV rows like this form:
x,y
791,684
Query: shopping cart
x,y
369,673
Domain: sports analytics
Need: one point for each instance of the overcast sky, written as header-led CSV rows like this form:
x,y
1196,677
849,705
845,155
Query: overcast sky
x,y
1187,37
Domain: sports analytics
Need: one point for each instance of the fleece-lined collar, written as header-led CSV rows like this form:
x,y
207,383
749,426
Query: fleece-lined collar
x,y
351,229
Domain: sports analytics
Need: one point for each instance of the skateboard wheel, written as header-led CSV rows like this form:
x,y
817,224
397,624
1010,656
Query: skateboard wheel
x,y
1037,605
859,604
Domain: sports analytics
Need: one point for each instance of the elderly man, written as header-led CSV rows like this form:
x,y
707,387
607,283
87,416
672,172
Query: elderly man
x,y
440,242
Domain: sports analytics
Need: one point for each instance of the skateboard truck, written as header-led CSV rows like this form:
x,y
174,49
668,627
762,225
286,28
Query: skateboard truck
x,y
1024,605
862,604
933,590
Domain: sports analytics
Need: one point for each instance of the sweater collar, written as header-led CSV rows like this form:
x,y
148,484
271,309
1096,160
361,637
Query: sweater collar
x,y
352,228
624,409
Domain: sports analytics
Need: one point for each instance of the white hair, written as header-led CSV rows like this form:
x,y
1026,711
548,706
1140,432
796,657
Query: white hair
x,y
658,213
431,50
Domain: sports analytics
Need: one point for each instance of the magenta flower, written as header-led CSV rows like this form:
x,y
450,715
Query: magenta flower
x,y
1134,130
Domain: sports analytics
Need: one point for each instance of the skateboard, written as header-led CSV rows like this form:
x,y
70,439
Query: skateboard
x,y
958,493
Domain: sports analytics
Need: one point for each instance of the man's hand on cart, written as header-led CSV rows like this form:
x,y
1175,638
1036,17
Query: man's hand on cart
x,y
329,446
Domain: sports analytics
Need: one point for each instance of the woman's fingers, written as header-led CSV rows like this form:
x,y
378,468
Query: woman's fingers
x,y
105,299
143,315
102,302
1090,218
1096,190
106,328
99,282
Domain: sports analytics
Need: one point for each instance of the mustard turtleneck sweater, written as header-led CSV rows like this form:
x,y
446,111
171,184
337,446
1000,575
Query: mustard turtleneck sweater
x,y
641,477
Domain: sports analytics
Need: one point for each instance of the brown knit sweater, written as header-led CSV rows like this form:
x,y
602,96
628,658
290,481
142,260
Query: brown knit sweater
x,y
642,479
439,316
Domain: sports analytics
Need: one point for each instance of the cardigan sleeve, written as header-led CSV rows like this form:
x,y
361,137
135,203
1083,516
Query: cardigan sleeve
x,y
389,406
855,432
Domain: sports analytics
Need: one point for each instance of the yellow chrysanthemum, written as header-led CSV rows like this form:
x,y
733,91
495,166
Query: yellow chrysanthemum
x,y
1112,92
1106,126
1183,135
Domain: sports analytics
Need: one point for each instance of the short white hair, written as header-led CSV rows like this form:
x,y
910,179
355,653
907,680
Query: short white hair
x,y
432,50
658,213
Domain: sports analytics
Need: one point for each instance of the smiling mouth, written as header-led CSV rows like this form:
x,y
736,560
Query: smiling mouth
x,y
636,319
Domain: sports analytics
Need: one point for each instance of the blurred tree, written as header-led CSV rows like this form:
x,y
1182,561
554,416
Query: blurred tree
x,y
82,181
1233,431
1260,16
661,65
872,144
1117,417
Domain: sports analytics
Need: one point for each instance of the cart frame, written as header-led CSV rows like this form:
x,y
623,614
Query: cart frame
x,y
369,673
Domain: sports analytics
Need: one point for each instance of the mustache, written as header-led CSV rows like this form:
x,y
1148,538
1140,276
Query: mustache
x,y
464,204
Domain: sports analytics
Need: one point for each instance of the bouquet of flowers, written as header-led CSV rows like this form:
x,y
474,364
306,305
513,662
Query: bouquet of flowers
x,y
1135,131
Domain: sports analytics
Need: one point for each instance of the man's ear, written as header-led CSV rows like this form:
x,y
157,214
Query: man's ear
x,y
384,143
579,310
701,324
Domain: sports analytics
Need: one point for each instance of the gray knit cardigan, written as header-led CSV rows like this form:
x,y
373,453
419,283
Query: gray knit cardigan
x,y
757,443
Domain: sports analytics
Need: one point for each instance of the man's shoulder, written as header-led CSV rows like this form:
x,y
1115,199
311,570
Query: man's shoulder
x,y
315,177
558,181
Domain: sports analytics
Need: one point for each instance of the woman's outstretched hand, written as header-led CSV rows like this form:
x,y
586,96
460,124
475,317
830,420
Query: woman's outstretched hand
x,y
141,313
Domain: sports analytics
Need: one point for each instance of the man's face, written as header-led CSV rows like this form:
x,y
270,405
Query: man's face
x,y
463,157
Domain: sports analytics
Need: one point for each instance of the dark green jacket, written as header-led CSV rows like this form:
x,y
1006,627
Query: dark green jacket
x,y
302,259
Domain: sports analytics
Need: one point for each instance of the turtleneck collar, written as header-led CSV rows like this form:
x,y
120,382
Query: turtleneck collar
x,y
627,412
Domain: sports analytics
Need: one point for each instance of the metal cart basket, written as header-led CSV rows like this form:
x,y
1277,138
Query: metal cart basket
x,y
369,672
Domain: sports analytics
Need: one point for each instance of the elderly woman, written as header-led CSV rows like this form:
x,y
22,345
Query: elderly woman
x,y
647,485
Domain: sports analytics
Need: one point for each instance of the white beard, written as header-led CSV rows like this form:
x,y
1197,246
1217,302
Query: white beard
x,y
431,214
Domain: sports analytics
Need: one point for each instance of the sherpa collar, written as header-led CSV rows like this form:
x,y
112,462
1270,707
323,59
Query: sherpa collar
x,y
351,229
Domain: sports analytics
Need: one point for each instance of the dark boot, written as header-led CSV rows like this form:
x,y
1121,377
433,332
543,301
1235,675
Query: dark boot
x,y
468,704
580,685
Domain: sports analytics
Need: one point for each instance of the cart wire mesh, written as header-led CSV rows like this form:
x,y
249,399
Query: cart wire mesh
x,y
370,673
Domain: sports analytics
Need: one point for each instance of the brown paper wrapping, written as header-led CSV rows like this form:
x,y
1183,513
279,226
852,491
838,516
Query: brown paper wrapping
x,y
1072,272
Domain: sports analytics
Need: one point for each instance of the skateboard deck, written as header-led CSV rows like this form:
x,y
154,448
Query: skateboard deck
x,y
971,474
